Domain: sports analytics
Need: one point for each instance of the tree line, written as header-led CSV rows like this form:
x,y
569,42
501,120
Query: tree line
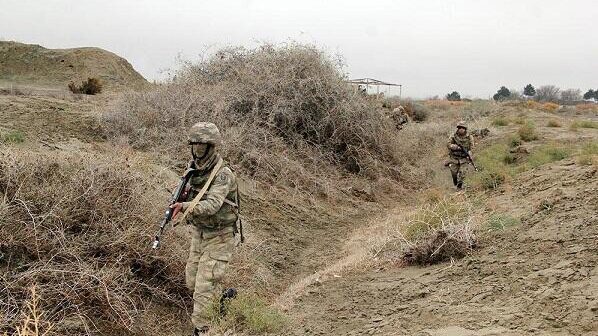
x,y
544,93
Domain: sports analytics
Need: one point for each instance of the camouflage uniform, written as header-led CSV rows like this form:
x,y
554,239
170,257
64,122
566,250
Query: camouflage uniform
x,y
213,226
457,158
399,117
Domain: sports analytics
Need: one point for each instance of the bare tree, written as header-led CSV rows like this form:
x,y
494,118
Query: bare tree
x,y
515,95
571,95
547,93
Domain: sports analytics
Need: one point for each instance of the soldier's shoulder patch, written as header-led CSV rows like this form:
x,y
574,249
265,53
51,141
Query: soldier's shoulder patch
x,y
224,175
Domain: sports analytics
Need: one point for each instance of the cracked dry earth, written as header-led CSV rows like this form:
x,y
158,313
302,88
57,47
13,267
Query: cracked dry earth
x,y
538,278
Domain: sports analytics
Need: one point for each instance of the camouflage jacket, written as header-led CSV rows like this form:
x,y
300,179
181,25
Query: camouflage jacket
x,y
218,206
466,142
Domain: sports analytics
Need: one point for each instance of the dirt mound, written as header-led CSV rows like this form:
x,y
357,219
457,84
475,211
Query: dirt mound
x,y
34,65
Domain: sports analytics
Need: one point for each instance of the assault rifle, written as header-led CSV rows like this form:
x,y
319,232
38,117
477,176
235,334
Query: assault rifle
x,y
177,196
468,157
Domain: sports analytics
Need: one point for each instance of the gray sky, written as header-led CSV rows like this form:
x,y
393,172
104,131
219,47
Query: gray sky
x,y
430,46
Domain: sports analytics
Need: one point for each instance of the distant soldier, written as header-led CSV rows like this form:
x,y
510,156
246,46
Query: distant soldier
x,y
460,145
399,117
213,218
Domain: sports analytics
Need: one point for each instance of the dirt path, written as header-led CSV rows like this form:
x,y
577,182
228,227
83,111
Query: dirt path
x,y
536,278
539,278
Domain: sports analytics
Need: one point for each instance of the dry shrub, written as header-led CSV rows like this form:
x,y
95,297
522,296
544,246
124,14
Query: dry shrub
x,y
550,107
587,107
438,233
444,104
532,104
286,113
78,227
91,86
418,112
433,233
553,123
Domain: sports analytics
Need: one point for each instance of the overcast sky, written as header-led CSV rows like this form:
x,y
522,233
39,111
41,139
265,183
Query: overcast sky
x,y
431,47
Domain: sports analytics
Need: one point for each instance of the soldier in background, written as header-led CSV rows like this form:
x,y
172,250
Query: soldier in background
x,y
460,145
399,117
213,219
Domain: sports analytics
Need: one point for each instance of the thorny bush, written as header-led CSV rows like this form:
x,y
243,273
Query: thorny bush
x,y
286,113
79,228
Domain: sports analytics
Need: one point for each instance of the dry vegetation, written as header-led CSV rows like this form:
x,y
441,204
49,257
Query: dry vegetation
x,y
288,118
78,228
81,223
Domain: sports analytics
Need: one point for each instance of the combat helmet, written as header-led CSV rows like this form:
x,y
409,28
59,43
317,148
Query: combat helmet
x,y
462,124
205,132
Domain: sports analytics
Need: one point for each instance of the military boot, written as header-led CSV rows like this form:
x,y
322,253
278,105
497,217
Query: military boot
x,y
200,331
227,295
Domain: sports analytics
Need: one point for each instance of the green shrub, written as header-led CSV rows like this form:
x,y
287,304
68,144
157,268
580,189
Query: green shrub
x,y
553,123
500,121
584,124
514,141
527,132
493,167
589,153
251,314
546,154
502,221
12,137
509,158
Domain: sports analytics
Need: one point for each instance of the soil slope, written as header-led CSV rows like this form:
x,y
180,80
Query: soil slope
x,y
34,65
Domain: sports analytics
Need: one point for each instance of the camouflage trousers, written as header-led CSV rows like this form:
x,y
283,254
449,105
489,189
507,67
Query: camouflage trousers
x,y
209,255
456,167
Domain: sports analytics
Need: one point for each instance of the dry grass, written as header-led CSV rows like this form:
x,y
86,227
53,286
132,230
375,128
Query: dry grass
x,y
532,104
79,230
587,107
553,123
550,107
444,104
33,321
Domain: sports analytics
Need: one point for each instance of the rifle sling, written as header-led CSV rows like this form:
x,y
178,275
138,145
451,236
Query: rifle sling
x,y
203,190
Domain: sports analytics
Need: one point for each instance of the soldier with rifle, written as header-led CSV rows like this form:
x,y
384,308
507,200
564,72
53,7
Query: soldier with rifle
x,y
211,208
460,145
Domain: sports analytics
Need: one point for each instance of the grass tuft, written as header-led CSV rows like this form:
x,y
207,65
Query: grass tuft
x,y
546,154
588,154
12,137
500,121
499,222
527,132
494,169
249,313
553,123
583,124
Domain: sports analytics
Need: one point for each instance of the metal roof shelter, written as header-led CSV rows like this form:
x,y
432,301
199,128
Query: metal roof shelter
x,y
374,82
